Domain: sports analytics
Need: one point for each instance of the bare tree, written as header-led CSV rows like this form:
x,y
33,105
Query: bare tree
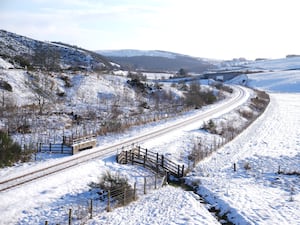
x,y
41,85
193,95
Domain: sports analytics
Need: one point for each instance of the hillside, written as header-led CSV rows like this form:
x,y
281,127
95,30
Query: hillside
x,y
23,51
42,83
158,61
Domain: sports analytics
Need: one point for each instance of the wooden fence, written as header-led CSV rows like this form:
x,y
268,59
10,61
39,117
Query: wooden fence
x,y
154,161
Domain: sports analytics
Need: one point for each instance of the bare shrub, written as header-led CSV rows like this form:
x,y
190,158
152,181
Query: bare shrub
x,y
262,95
198,153
67,80
118,186
210,127
261,100
222,87
247,166
195,97
247,114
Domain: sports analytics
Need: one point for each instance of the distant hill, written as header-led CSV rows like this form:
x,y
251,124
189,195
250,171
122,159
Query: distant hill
x,y
157,61
24,51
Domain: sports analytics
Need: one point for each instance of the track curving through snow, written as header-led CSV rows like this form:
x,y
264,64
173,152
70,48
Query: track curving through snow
x,y
240,95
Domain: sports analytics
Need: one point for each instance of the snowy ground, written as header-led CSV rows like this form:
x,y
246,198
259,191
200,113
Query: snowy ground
x,y
168,205
291,63
254,194
50,198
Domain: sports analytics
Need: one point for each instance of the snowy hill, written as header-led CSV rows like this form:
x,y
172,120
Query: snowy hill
x,y
289,63
158,61
134,52
23,51
276,75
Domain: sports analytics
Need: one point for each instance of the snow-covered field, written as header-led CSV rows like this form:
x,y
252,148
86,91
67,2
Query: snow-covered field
x,y
291,63
254,194
282,82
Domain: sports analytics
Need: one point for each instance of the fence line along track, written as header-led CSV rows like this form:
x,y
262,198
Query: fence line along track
x,y
110,150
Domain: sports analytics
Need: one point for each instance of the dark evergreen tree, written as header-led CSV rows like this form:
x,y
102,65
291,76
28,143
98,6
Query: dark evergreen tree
x,y
10,152
182,72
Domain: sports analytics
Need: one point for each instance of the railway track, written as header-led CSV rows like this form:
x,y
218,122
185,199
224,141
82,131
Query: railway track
x,y
98,152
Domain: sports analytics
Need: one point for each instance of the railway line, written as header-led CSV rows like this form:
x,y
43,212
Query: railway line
x,y
7,183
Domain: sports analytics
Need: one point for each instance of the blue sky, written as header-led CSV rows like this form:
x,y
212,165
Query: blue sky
x,y
206,28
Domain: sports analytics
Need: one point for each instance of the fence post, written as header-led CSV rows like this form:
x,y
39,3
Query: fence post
x,y
108,209
166,181
62,148
144,164
182,171
126,157
162,161
91,209
139,151
155,181
178,170
145,183
70,216
234,167
157,157
134,191
132,157
50,147
36,152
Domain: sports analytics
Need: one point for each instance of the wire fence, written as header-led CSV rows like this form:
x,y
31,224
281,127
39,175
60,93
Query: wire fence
x,y
81,211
